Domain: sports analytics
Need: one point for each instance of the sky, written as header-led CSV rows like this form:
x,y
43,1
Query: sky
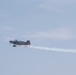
x,y
46,23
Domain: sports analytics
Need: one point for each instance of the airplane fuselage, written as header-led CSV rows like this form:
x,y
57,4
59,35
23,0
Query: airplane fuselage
x,y
16,42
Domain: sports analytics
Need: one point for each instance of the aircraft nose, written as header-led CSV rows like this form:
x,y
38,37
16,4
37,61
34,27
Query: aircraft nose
x,y
10,41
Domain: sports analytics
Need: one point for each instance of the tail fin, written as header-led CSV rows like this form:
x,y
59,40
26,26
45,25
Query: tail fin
x,y
28,42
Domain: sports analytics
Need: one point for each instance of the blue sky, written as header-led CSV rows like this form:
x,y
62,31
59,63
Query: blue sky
x,y
47,23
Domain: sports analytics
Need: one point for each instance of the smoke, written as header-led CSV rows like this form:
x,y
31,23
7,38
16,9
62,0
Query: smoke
x,y
54,49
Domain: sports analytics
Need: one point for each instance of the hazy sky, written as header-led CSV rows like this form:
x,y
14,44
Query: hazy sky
x,y
46,23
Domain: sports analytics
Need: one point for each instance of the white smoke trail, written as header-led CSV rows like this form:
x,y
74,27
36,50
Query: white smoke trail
x,y
54,49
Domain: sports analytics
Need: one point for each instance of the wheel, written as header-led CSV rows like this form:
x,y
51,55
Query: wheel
x,y
14,45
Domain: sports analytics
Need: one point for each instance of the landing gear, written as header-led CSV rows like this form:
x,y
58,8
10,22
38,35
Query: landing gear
x,y
14,45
